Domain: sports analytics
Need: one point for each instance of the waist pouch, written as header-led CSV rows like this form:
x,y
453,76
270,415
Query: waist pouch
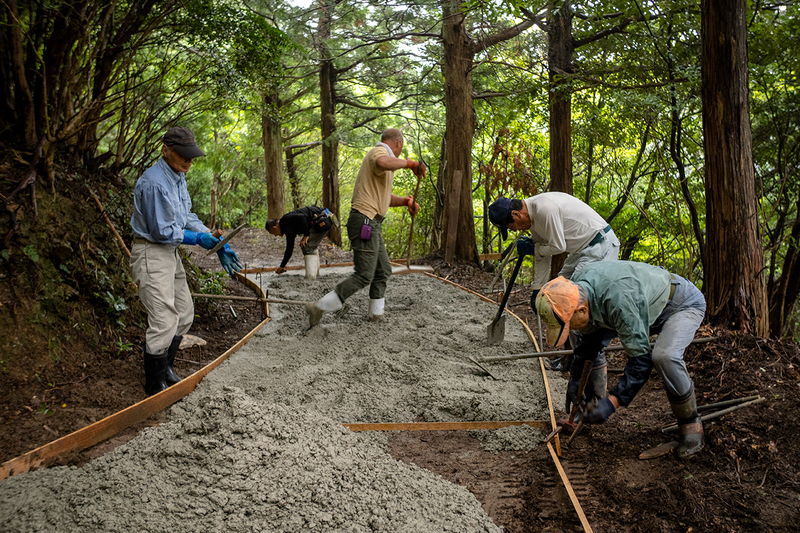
x,y
366,231
321,222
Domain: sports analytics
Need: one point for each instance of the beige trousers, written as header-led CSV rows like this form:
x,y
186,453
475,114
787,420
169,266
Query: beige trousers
x,y
159,273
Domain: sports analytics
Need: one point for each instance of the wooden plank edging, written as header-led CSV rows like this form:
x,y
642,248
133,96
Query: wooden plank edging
x,y
584,522
445,426
136,413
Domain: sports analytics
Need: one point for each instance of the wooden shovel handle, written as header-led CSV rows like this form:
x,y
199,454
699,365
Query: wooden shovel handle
x,y
411,233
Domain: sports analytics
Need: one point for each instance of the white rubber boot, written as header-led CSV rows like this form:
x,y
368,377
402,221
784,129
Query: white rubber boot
x,y
329,302
312,265
375,312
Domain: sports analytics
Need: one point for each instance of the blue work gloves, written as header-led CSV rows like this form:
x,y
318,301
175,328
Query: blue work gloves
x,y
206,240
229,260
525,246
572,395
602,411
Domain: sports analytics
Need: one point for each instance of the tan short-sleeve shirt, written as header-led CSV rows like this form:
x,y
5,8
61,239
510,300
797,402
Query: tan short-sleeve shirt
x,y
373,190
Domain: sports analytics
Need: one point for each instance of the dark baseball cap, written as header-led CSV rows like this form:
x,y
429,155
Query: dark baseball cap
x,y
182,141
498,215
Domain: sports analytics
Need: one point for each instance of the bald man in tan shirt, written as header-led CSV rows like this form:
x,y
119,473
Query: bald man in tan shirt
x,y
372,198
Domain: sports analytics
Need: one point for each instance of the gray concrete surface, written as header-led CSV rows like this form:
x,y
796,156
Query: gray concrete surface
x,y
259,445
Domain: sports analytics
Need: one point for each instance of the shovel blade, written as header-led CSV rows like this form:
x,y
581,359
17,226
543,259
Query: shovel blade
x,y
658,451
496,331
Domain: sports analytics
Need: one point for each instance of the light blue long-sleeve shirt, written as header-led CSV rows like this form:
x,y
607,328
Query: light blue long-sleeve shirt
x,y
162,209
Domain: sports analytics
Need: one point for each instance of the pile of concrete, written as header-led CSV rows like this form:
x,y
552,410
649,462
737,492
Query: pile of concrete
x,y
259,445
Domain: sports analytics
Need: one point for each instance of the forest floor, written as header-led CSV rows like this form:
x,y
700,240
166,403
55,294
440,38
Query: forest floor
x,y
746,478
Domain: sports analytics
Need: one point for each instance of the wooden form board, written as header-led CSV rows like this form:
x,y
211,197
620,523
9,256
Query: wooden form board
x,y
296,267
139,412
573,498
446,426
111,425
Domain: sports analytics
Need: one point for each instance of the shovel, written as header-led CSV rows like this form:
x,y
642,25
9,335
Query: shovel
x,y
496,331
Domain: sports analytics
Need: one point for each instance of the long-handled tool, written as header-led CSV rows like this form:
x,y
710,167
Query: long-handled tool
x,y
249,299
416,268
728,406
224,241
413,216
496,330
555,353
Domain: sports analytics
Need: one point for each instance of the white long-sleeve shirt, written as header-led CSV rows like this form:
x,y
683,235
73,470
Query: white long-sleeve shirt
x,y
559,223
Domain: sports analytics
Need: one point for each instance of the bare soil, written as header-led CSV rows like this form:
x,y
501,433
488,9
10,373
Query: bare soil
x,y
746,478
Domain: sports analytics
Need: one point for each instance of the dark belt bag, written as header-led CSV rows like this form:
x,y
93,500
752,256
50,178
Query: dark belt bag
x,y
321,222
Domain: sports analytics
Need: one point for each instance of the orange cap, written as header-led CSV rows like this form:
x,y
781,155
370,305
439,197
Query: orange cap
x,y
556,302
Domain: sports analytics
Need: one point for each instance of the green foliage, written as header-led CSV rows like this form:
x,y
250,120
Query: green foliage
x,y
212,282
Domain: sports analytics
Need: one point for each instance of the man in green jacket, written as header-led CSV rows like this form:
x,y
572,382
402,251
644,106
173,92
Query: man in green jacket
x,y
634,300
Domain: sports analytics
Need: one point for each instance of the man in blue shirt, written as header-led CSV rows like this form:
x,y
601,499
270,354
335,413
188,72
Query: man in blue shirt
x,y
162,220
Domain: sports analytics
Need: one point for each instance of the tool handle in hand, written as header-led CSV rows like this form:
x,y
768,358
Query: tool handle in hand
x,y
411,233
587,368
510,285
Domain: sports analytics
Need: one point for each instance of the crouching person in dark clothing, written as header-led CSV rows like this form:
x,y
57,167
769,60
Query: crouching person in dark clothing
x,y
313,223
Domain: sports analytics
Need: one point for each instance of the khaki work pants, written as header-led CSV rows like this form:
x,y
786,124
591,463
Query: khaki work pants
x,y
158,271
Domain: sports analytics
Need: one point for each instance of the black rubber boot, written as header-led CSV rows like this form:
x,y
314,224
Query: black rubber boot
x,y
155,371
690,426
171,376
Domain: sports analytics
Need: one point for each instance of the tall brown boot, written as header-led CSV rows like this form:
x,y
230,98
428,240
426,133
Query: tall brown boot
x,y
171,376
690,426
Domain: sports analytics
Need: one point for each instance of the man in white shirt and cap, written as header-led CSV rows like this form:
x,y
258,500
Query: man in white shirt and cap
x,y
558,223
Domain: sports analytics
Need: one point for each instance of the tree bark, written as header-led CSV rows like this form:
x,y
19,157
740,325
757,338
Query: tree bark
x,y
273,154
734,283
559,57
294,180
459,129
330,141
560,54
24,95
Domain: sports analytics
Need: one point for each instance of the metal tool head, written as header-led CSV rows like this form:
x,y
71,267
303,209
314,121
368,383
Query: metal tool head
x,y
658,451
217,247
412,269
496,330
479,365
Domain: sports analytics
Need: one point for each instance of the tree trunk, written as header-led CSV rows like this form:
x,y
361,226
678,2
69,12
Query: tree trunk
x,y
294,180
559,56
734,283
330,141
24,96
273,155
787,286
459,129
438,208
